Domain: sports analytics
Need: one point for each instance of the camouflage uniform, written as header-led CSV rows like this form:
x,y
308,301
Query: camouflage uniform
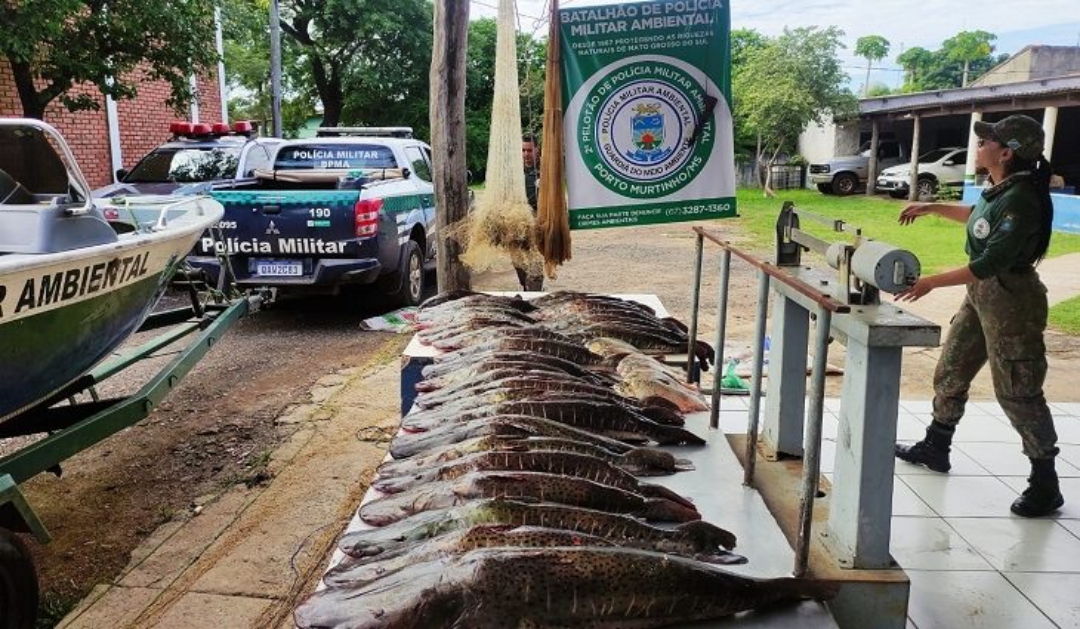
x,y
1002,318
531,279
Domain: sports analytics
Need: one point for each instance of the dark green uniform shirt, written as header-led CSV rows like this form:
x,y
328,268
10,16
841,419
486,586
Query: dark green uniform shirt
x,y
532,181
1003,229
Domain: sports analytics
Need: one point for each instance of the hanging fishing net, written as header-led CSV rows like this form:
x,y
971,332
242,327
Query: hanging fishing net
x,y
502,223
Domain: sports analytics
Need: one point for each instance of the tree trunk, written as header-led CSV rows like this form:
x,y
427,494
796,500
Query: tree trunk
x,y
31,100
967,65
447,115
866,86
333,103
328,85
872,167
757,163
769,192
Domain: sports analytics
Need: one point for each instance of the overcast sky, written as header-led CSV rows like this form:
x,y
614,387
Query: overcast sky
x,y
905,23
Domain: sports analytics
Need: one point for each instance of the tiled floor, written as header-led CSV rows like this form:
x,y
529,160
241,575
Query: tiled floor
x,y
971,562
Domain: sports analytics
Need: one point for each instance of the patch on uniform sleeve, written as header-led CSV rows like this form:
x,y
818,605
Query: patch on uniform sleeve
x,y
1007,224
981,228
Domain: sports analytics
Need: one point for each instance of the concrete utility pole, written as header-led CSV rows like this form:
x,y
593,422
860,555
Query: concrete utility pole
x,y
913,181
447,115
275,67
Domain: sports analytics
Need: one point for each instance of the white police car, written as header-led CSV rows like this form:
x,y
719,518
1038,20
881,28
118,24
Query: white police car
x,y
198,155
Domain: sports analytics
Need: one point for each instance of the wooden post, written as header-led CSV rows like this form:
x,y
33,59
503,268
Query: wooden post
x,y
913,181
871,171
447,118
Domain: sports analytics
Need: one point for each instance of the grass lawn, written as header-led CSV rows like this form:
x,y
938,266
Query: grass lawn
x,y
938,243
1065,316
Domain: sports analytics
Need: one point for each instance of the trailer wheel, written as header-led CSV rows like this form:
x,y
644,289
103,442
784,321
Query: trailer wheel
x,y
18,584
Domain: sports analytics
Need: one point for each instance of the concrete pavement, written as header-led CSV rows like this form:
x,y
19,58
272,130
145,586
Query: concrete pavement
x,y
249,554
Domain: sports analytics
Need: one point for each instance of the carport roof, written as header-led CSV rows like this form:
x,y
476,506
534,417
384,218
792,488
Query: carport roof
x,y
1062,91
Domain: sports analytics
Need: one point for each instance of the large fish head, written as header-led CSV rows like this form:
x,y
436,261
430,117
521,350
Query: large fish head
x,y
394,507
705,537
421,596
403,482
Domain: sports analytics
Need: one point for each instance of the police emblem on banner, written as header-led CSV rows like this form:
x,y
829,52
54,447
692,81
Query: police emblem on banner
x,y
647,133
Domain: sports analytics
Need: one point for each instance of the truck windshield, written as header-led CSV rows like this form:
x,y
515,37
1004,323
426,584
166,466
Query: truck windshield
x,y
186,165
334,156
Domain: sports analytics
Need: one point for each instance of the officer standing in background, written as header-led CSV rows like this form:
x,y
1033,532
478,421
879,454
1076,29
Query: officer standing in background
x,y
530,279
1004,312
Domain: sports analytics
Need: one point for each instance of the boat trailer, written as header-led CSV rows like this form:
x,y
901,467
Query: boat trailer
x,y
74,426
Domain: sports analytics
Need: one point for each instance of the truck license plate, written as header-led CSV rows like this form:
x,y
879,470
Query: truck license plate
x,y
280,268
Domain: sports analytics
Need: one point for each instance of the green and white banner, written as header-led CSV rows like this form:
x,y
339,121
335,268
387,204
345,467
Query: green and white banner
x,y
647,112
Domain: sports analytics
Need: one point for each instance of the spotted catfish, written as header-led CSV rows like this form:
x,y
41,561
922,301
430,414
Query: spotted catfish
x,y
581,412
550,462
636,461
481,392
358,571
407,444
539,360
466,298
574,352
695,539
535,486
564,587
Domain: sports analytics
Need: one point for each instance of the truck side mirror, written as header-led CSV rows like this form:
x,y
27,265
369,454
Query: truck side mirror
x,y
121,174
406,173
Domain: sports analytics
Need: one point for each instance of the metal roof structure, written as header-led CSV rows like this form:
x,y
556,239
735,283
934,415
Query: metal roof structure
x,y
1061,91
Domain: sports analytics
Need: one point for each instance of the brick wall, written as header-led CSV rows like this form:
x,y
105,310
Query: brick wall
x,y
144,121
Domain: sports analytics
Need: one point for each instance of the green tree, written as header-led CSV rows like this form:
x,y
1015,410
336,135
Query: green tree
x,y
393,90
246,25
344,39
872,48
967,47
743,42
54,45
878,89
791,81
915,61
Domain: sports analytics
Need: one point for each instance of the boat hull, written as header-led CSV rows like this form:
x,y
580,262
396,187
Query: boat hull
x,y
91,329
62,314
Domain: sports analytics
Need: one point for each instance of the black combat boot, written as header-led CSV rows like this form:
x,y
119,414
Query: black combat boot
x,y
933,451
1043,496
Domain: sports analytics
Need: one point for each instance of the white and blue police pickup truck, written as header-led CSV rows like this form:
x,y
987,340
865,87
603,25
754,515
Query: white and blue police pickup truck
x,y
350,207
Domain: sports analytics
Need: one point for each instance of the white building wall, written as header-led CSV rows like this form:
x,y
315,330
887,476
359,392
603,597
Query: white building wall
x,y
817,141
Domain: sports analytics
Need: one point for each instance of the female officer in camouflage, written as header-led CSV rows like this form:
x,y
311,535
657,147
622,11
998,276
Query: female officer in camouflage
x,y
1004,313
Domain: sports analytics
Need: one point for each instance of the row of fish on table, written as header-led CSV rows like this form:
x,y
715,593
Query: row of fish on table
x,y
514,497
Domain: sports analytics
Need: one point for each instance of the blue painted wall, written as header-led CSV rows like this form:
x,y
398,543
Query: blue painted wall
x,y
1066,209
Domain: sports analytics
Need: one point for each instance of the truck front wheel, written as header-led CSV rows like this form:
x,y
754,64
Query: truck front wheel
x,y
411,289
845,184
18,584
